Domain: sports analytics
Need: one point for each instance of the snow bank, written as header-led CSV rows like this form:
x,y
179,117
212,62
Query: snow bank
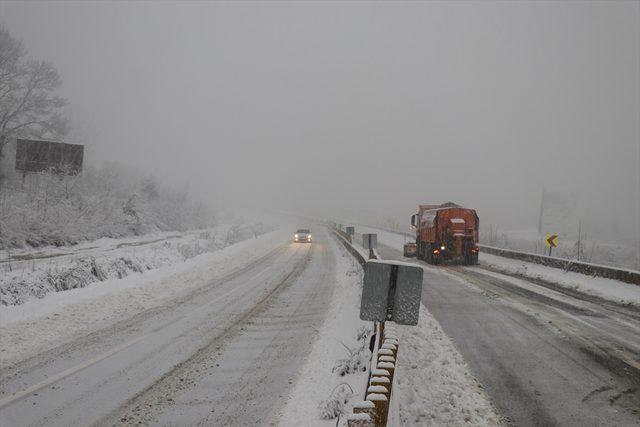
x,y
611,290
434,384
60,317
25,275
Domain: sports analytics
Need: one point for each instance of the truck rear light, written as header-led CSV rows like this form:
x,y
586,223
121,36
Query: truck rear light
x,y
442,248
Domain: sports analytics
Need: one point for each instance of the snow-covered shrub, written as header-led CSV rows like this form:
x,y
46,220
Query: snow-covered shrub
x,y
336,404
36,278
44,209
358,358
78,275
363,333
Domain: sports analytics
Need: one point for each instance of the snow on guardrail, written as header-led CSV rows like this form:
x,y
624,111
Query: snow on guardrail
x,y
623,275
374,410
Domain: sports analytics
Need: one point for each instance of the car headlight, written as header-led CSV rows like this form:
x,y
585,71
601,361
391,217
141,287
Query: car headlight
x,y
296,236
309,236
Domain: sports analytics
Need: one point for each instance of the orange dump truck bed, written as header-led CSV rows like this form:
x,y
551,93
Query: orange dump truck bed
x,y
446,232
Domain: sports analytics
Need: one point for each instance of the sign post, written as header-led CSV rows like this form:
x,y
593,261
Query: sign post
x,y
551,241
370,241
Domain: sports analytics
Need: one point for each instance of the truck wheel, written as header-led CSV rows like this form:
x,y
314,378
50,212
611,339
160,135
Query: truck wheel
x,y
468,255
470,258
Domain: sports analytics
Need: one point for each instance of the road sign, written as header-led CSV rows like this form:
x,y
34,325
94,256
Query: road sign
x,y
48,156
391,291
351,231
551,240
369,240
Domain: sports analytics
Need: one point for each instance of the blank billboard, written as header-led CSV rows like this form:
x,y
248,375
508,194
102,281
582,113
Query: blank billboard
x,y
49,156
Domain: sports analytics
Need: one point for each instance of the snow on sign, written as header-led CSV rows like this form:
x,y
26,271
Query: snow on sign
x,y
391,291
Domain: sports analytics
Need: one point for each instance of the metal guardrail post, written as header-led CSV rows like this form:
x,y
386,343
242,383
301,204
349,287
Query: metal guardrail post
x,y
374,410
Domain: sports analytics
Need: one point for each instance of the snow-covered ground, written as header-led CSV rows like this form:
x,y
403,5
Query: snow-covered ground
x,y
28,274
612,290
435,385
59,317
318,388
609,289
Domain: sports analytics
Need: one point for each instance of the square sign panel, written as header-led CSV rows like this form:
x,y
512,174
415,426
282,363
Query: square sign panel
x,y
369,240
351,231
48,156
406,303
391,291
375,291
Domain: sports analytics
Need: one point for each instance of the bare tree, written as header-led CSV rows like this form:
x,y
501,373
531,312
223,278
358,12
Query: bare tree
x,y
28,104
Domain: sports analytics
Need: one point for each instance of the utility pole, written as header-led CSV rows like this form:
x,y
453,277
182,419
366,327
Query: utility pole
x,y
579,237
540,217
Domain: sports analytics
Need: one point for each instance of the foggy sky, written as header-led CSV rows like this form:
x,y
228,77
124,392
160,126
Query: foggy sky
x,y
357,109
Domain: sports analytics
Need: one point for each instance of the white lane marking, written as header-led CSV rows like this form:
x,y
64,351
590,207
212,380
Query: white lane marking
x,y
21,394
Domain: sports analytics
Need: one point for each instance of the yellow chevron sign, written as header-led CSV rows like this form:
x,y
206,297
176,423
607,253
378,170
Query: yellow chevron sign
x,y
551,240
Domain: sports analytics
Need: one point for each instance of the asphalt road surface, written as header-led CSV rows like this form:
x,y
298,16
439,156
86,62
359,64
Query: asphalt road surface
x,y
224,355
545,356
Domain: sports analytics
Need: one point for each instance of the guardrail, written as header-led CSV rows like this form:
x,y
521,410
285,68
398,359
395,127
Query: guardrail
x,y
623,275
596,270
342,237
374,410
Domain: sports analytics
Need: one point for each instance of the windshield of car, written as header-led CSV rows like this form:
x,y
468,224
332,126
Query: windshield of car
x,y
303,231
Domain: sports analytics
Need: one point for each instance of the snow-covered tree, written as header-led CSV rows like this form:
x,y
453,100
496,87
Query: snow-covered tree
x,y
29,106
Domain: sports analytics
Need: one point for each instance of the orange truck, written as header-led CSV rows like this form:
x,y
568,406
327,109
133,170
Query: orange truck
x,y
446,232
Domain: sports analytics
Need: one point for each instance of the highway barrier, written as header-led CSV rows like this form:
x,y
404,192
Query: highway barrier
x,y
623,275
344,235
346,241
373,411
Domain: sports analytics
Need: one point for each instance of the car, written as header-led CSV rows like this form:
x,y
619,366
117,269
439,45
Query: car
x,y
303,235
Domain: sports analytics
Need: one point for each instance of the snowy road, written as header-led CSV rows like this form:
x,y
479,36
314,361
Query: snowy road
x,y
544,357
226,353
